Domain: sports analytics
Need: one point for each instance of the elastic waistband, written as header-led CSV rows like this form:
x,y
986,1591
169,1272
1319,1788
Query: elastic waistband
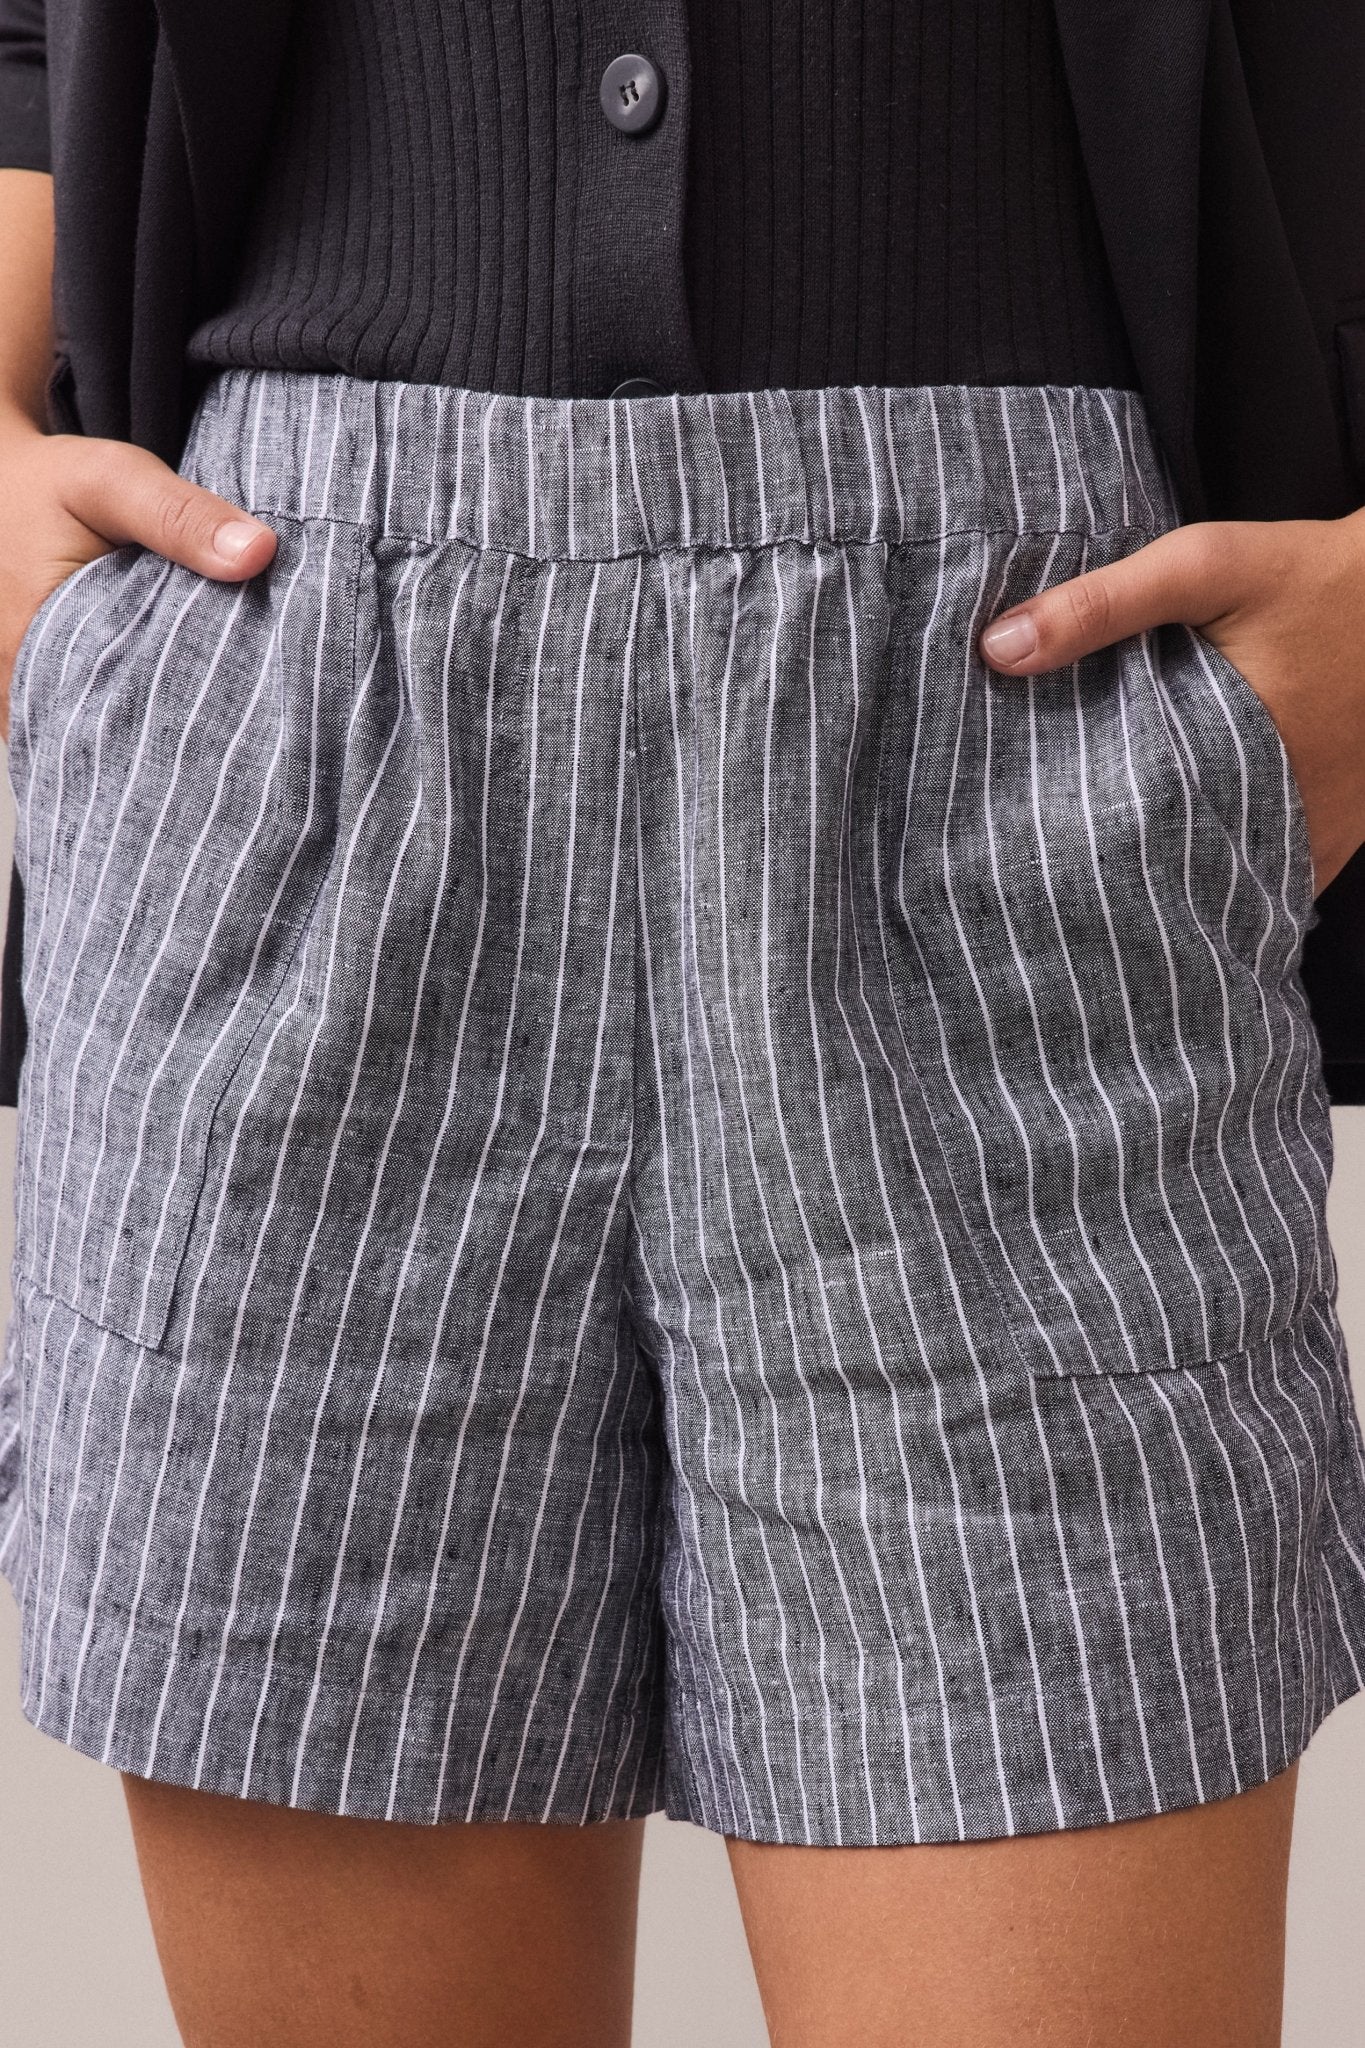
x,y
602,477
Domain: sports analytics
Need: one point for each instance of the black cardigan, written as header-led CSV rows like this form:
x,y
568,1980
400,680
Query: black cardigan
x,y
874,192
1225,145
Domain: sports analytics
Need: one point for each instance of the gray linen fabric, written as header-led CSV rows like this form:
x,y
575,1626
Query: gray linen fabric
x,y
639,1185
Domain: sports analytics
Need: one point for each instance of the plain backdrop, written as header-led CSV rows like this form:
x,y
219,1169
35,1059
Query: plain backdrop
x,y
78,1968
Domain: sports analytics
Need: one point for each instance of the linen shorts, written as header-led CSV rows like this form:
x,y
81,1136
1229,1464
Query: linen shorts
x,y
640,1186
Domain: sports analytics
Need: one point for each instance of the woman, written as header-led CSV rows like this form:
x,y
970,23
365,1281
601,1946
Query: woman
x,y
648,1177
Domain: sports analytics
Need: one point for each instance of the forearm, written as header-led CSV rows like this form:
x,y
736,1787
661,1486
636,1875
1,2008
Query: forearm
x,y
26,243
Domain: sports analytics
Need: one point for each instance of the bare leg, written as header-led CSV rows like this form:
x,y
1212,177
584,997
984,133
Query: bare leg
x,y
278,1928
1166,1932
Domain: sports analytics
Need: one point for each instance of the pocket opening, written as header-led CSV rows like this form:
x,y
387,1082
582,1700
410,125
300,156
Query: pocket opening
x,y
1255,724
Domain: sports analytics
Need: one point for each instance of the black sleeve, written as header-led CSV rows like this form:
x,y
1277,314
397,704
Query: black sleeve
x,y
24,138
13,1021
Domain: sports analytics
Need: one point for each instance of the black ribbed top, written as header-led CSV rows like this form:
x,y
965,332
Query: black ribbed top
x,y
839,191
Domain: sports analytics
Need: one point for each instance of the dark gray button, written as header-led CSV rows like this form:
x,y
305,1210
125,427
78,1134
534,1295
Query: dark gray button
x,y
632,94
637,387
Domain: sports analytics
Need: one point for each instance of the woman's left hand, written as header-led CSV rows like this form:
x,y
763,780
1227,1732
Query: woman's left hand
x,y
1284,600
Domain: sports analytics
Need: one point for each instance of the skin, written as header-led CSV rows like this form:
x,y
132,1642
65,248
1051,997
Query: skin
x,y
1283,599
1165,1932
67,498
278,1926
282,1929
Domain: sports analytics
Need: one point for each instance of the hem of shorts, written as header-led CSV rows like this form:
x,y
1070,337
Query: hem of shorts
x,y
902,1834
228,1783
654,1791
127,1751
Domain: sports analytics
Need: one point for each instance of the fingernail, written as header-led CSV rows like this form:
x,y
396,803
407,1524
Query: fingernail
x,y
235,536
1010,639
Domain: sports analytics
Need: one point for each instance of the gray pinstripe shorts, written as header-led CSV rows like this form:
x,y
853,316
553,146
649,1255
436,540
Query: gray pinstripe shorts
x,y
638,1184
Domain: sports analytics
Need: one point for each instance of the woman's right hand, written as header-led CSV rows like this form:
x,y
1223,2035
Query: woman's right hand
x,y
66,498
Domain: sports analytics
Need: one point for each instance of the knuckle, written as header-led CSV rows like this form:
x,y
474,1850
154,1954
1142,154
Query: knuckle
x,y
1207,548
179,521
1089,604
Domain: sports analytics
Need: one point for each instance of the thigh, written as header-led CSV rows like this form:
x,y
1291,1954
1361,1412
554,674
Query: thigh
x,y
280,1926
1162,1932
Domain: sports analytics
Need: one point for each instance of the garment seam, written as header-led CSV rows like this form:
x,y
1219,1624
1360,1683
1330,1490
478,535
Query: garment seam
x,y
686,549
1282,1327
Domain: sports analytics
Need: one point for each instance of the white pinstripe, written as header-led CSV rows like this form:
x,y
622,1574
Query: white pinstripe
x,y
571,1716
588,1119
635,476
1139,1064
430,1172
1263,892
1024,1298
451,1097
1073,1604
736,1241
1254,1441
331,452
381,1164
683,494
872,1139
533,1154
920,701
1305,1517
685,1608
1116,1573
686,899
105,1340
717,1668
1181,1046
721,479
31,1439
1229,1056
1259,1402
325,1190
1214,1643
571,1572
1175,723
1291,943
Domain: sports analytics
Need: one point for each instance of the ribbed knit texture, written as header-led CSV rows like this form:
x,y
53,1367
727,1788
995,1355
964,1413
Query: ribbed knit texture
x,y
839,191
891,191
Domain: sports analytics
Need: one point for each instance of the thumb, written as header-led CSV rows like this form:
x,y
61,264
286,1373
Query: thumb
x,y
1183,577
128,494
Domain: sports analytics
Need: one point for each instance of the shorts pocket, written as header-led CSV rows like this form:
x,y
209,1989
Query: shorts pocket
x,y
55,631
179,782
1241,764
1111,888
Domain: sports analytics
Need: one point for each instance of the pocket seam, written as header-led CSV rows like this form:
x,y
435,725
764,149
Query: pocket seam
x,y
1257,709
1193,1361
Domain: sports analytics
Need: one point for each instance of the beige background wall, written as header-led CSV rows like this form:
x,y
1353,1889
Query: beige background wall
x,y
77,1965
